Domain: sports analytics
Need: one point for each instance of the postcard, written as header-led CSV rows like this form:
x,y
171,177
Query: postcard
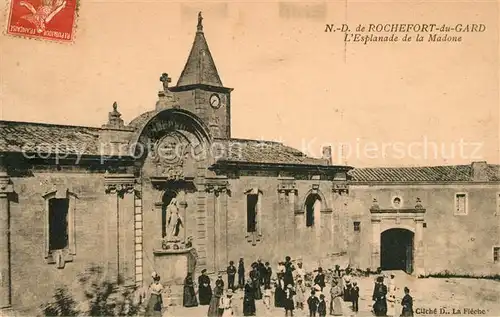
x,y
249,158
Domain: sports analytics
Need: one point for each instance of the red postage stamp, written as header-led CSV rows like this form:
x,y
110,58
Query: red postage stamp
x,y
45,19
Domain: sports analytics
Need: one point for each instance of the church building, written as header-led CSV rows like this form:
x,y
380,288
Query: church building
x,y
173,191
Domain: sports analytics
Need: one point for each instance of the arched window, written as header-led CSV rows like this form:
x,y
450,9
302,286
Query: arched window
x,y
313,207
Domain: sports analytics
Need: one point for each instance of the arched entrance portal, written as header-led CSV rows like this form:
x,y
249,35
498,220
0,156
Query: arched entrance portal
x,y
396,250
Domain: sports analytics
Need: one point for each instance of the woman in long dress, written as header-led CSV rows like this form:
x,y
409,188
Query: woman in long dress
x,y
189,296
279,292
391,297
249,300
213,309
336,302
379,297
204,288
155,303
226,304
255,277
407,303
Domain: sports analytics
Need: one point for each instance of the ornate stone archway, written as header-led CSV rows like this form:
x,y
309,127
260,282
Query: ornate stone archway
x,y
411,219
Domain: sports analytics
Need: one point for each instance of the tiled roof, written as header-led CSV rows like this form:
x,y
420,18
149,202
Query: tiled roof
x,y
452,173
50,138
257,151
47,138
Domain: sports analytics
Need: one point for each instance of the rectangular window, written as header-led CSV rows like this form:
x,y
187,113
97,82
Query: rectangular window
x,y
252,200
461,204
58,224
496,254
357,226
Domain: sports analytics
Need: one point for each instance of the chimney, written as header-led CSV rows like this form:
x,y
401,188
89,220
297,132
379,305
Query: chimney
x,y
327,154
479,171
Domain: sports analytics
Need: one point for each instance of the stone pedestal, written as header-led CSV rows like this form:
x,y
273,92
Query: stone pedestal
x,y
173,267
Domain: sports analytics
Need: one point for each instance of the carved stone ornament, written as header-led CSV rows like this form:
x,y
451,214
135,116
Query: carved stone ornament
x,y
177,245
315,188
340,188
418,204
375,205
171,150
287,186
119,183
217,188
171,172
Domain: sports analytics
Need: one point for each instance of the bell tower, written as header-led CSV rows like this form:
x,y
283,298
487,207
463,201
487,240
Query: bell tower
x,y
200,89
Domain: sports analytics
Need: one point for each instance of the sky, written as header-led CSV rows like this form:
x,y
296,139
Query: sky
x,y
383,104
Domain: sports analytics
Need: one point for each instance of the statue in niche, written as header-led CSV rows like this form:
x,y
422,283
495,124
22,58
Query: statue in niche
x,y
175,224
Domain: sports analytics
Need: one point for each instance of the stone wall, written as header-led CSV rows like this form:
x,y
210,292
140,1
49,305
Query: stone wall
x,y
33,279
461,244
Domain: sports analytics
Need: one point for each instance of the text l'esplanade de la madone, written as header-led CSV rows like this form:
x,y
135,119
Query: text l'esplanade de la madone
x,y
389,32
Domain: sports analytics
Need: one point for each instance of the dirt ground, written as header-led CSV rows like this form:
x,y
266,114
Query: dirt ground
x,y
431,297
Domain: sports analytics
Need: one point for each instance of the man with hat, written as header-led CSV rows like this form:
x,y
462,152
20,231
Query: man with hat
x,y
241,273
220,280
320,279
231,273
204,288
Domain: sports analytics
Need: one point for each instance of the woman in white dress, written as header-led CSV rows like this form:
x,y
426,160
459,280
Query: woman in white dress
x,y
391,297
226,304
155,303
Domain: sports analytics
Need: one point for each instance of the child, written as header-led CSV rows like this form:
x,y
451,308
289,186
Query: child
x,y
300,292
289,304
312,302
355,296
220,280
322,306
267,296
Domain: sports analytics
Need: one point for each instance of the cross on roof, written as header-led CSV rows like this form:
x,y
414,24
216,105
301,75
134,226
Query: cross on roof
x,y
165,80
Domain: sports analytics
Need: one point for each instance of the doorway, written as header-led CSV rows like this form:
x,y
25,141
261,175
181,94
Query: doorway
x,y
396,250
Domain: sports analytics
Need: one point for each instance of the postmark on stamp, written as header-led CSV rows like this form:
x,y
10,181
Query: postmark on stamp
x,y
43,19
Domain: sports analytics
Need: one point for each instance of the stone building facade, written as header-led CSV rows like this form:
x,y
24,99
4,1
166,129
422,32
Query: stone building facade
x,y
72,196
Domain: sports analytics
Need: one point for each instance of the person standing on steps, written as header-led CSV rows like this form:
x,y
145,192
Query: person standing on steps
x,y
241,273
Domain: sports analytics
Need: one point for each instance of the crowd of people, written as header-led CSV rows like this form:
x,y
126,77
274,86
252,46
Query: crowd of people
x,y
289,288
